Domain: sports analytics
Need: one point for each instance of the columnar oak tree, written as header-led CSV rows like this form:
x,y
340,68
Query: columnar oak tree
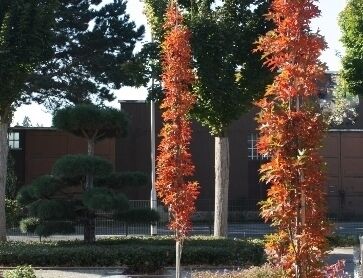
x,y
291,130
174,164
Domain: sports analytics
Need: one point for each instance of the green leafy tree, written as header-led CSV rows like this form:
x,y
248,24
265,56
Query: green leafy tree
x,y
351,23
94,46
229,76
25,35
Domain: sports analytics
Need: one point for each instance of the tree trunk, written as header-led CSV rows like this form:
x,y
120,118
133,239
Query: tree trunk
x,y
221,186
178,254
90,152
89,233
4,146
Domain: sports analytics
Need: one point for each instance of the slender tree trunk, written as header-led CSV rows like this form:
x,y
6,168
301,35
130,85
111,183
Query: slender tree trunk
x,y
3,171
221,186
90,152
90,225
178,254
91,146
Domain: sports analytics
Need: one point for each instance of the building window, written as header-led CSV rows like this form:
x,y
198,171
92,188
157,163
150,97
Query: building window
x,y
14,140
252,148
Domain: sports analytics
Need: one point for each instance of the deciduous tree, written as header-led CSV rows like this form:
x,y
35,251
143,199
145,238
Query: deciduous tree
x,y
25,34
291,131
174,164
351,23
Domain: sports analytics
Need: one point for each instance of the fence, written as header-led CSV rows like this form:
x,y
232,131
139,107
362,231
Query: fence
x,y
244,221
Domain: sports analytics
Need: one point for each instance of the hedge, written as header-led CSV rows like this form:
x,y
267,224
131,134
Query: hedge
x,y
143,254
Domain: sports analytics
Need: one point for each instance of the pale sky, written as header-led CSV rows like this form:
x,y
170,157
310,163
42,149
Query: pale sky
x,y
327,24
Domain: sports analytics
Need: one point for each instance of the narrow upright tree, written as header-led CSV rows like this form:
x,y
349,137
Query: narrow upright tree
x,y
291,131
174,164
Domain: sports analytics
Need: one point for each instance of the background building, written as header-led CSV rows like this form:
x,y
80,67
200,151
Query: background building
x,y
36,149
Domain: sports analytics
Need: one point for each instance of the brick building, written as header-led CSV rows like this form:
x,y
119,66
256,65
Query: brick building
x,y
36,149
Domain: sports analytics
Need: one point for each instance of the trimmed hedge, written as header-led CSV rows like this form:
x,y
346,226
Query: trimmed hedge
x,y
342,240
138,254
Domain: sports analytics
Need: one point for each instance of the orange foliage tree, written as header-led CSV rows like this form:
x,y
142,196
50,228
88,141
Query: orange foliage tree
x,y
174,164
291,131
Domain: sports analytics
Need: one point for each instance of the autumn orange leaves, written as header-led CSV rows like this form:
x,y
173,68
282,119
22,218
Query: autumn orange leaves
x,y
174,165
291,131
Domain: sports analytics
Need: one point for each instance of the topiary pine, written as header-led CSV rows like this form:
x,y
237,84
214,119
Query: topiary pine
x,y
82,184
91,122
61,201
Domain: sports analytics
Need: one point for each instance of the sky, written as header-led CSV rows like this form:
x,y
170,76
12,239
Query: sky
x,y
327,24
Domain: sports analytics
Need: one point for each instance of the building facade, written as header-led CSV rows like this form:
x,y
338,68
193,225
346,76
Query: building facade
x,y
35,149
342,150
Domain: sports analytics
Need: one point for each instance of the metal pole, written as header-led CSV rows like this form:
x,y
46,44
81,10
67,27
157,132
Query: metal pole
x,y
153,199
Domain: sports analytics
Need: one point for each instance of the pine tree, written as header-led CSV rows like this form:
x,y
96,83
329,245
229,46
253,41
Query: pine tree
x,y
93,48
80,185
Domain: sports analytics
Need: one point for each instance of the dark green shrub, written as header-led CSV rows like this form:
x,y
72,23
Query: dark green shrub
x,y
139,254
78,166
59,209
342,240
120,180
20,272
